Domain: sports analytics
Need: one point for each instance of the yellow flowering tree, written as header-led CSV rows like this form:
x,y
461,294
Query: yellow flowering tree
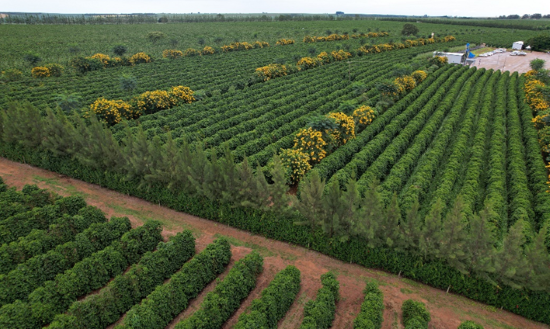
x,y
208,50
153,101
311,142
282,42
140,58
296,163
346,127
111,111
363,116
190,52
261,44
340,55
271,71
180,95
307,62
40,72
324,57
419,76
172,54
105,59
407,82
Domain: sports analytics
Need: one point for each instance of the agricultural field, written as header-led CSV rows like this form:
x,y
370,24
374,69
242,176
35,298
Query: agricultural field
x,y
344,137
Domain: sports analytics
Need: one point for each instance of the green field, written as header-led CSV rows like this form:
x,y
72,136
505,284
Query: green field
x,y
447,185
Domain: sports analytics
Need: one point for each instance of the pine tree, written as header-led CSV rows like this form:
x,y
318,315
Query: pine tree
x,y
431,231
538,262
411,229
389,225
369,217
259,196
136,154
310,203
510,261
197,163
58,133
453,237
480,243
278,190
332,209
347,217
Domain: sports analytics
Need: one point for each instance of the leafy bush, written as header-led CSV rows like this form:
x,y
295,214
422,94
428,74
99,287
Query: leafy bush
x,y
319,314
271,71
190,52
40,72
415,314
221,303
86,64
409,29
111,111
296,163
128,83
56,70
170,299
274,302
68,102
120,50
31,58
155,36
140,58
172,54
372,309
208,51
539,43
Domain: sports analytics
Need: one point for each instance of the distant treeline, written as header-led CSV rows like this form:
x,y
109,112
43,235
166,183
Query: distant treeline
x,y
494,22
38,18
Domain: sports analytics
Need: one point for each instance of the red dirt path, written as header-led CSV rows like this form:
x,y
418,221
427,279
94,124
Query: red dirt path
x,y
447,310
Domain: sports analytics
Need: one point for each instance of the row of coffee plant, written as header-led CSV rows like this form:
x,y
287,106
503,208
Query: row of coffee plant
x,y
128,288
319,313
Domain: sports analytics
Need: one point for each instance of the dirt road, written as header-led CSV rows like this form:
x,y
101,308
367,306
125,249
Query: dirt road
x,y
447,310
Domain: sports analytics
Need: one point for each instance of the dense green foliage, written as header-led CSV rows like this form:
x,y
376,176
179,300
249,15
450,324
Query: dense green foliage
x,y
106,307
18,283
415,315
221,303
319,313
170,299
275,301
40,241
372,309
539,43
55,296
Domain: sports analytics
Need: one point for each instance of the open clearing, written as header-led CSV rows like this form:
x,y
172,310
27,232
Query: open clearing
x,y
506,62
447,310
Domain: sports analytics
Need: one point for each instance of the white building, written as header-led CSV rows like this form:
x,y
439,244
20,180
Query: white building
x,y
453,58
517,45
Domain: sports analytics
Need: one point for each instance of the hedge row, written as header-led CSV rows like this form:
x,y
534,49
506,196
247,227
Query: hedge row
x,y
274,302
105,308
372,309
463,144
496,193
170,299
319,313
19,283
41,241
536,169
39,217
415,315
530,304
519,196
226,298
92,273
433,139
425,124
421,179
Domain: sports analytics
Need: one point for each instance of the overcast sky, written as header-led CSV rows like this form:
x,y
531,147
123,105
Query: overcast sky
x,y
398,7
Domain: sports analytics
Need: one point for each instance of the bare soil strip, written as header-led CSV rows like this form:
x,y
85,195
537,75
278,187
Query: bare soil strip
x,y
447,310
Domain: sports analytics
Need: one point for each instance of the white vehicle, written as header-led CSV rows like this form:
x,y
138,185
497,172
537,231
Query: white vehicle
x,y
521,53
514,53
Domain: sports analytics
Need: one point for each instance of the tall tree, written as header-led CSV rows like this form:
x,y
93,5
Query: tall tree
x,y
389,224
538,262
480,243
510,261
411,229
453,237
431,231
369,217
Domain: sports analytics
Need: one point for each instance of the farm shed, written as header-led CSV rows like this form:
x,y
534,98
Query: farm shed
x,y
517,45
453,58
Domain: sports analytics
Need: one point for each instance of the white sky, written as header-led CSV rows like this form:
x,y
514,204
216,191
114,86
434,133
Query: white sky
x,y
398,7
